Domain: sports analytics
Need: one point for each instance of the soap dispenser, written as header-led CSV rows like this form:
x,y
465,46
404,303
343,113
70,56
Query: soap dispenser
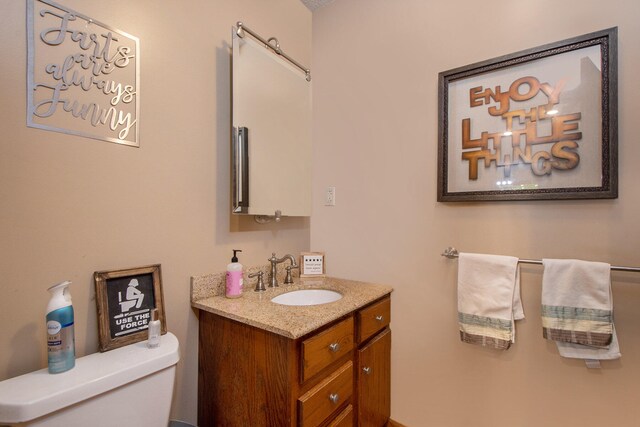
x,y
234,277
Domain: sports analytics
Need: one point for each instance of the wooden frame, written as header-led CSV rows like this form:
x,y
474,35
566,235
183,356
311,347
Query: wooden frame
x,y
525,126
312,264
124,299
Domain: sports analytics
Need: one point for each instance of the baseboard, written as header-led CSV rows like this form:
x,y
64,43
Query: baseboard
x,y
392,423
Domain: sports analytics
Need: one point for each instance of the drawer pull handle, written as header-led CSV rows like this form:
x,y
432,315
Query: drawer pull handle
x,y
333,397
379,318
366,370
334,347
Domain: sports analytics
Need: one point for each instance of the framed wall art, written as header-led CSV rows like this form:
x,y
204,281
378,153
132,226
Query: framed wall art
x,y
533,125
125,299
83,76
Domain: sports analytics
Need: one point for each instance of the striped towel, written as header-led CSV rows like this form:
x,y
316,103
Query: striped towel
x,y
488,299
577,306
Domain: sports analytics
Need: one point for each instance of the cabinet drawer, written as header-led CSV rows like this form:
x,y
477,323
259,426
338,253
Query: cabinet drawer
x,y
322,349
320,402
373,319
344,418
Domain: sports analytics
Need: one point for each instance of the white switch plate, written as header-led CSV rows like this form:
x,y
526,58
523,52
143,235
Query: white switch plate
x,y
330,197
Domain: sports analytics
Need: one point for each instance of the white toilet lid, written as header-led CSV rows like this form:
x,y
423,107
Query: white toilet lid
x,y
38,393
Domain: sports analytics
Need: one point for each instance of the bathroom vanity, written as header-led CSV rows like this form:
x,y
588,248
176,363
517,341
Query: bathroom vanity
x,y
265,364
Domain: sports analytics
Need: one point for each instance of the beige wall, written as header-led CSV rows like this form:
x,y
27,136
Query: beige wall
x,y
71,206
376,65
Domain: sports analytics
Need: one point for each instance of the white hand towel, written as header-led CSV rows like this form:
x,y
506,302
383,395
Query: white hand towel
x,y
488,299
577,309
577,351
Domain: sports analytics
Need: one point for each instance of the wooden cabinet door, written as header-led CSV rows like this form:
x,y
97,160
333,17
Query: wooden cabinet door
x,y
374,381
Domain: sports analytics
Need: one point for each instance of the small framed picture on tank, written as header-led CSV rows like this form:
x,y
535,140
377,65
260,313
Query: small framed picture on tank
x,y
125,300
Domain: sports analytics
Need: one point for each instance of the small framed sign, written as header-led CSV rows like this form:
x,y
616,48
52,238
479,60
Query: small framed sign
x,y
125,299
312,264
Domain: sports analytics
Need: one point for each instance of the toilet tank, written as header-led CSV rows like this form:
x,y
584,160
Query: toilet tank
x,y
131,385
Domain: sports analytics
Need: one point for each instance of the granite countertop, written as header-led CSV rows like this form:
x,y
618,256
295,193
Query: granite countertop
x,y
256,308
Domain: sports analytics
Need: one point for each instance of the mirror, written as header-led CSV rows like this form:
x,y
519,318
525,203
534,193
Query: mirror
x,y
271,116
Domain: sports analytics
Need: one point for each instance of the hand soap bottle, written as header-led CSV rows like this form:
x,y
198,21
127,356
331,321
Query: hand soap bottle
x,y
61,354
234,277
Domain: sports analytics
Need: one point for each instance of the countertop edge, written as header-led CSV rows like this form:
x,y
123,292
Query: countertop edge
x,y
241,319
294,321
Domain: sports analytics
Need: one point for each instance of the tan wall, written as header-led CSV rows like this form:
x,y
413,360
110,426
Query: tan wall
x,y
376,65
71,206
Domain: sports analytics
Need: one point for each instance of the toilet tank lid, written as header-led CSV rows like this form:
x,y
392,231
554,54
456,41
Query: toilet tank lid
x,y
38,393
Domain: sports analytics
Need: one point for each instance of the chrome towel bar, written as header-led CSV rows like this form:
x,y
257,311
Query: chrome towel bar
x,y
451,253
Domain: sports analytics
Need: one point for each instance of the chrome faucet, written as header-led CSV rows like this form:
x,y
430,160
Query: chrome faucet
x,y
273,281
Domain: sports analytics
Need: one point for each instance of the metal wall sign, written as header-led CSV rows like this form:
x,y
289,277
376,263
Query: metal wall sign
x,y
82,75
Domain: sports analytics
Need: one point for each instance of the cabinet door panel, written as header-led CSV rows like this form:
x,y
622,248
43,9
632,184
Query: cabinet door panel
x,y
374,381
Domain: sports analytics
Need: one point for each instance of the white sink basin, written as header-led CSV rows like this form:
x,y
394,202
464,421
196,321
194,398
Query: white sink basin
x,y
307,297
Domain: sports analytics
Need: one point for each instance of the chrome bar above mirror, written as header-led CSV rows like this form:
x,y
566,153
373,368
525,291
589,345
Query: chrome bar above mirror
x,y
274,47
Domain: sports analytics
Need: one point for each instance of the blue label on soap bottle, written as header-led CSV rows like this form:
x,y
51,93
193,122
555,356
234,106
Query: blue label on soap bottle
x,y
61,354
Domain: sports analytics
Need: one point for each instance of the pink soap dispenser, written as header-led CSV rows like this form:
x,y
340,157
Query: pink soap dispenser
x,y
234,277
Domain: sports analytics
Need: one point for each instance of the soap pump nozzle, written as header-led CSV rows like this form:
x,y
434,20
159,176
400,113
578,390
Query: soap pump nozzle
x,y
235,258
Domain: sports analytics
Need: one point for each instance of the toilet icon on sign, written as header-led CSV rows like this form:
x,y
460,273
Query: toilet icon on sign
x,y
133,297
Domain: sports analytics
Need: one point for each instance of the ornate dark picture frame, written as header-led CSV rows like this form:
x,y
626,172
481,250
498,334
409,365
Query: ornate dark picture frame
x,y
124,299
539,124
